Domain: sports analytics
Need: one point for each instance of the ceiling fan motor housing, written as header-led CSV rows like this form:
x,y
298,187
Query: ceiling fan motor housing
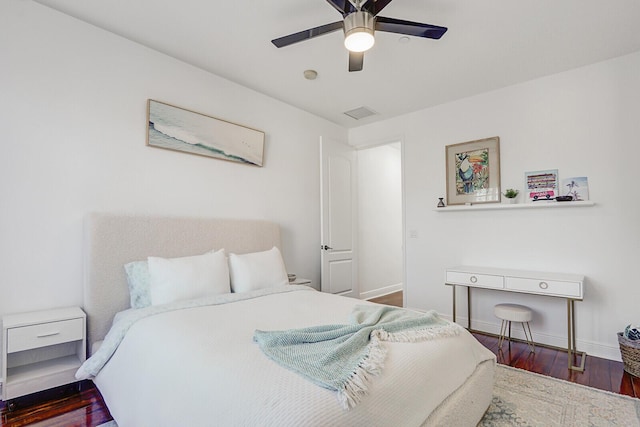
x,y
358,31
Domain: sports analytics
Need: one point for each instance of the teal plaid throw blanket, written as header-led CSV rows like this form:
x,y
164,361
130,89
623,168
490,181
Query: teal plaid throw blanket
x,y
344,357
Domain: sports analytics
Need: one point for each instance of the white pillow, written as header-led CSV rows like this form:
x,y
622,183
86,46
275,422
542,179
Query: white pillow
x,y
174,279
257,270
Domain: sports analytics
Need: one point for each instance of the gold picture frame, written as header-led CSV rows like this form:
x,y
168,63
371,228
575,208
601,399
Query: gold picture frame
x,y
473,172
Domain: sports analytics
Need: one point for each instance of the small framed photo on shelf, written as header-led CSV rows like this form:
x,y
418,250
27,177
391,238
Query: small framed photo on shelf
x,y
541,185
576,187
473,172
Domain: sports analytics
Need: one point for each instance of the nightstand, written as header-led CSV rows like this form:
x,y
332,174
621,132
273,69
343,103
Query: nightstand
x,y
300,281
41,350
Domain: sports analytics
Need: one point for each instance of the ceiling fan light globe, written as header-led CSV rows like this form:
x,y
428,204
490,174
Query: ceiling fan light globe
x,y
358,31
359,40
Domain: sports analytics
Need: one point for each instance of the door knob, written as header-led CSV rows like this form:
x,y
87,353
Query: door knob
x,y
325,247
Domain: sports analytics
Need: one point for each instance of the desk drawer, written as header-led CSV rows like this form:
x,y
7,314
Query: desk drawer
x,y
44,334
545,287
475,280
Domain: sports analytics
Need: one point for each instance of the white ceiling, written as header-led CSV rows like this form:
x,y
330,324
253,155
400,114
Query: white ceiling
x,y
490,44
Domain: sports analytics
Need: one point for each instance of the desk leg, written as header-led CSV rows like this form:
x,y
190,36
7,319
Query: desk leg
x,y
572,350
469,307
569,329
453,287
454,303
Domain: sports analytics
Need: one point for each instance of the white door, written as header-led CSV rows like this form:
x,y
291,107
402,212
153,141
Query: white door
x,y
338,215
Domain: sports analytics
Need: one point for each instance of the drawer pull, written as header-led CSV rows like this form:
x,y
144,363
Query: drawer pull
x,y
543,285
473,279
48,334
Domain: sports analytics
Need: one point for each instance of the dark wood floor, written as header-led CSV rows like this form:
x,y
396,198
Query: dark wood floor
x,y
87,409
394,298
58,408
599,373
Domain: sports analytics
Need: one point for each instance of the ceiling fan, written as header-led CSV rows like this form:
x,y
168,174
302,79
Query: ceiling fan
x,y
359,23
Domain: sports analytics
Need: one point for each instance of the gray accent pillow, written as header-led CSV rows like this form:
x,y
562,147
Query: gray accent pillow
x,y
139,281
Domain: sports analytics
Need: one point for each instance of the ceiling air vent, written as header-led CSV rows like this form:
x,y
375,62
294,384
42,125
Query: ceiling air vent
x,y
360,113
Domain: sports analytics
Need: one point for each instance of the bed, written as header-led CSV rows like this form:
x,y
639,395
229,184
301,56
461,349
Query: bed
x,y
197,364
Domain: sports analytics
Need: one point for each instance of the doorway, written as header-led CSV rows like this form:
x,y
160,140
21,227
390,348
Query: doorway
x,y
380,220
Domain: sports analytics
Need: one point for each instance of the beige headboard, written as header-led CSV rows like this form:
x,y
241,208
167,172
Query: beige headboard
x,y
113,240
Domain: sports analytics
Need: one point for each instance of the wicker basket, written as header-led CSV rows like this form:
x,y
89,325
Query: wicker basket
x,y
630,351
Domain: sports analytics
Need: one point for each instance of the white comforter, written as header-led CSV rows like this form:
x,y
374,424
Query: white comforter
x,y
200,367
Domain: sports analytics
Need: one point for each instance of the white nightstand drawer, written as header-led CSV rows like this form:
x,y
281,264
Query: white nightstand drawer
x,y
545,287
44,334
479,280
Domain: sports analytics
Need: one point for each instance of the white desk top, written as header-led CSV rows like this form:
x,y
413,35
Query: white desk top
x,y
531,282
525,274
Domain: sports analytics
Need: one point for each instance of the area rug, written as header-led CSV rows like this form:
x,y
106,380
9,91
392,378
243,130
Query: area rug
x,y
525,399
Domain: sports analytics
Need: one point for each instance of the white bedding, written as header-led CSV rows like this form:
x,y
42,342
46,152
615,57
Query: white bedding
x,y
200,367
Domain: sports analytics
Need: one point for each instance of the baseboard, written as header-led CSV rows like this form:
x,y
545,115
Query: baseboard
x,y
386,290
591,348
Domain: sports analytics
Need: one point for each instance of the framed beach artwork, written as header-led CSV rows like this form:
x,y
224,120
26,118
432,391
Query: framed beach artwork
x,y
175,128
473,172
576,187
541,185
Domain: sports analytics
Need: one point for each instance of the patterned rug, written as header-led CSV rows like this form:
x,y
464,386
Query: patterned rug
x,y
525,399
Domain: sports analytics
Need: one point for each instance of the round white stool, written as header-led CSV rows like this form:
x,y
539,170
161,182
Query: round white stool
x,y
514,313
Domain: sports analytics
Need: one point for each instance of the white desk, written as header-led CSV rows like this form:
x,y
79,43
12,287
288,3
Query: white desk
x,y
559,285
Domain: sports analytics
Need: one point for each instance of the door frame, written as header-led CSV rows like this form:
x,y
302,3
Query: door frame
x,y
379,143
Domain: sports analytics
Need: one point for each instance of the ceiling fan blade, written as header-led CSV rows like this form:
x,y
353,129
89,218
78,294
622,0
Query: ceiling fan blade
x,y
409,28
343,6
375,6
356,60
307,34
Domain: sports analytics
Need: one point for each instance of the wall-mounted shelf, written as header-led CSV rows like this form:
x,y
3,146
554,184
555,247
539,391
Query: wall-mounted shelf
x,y
532,205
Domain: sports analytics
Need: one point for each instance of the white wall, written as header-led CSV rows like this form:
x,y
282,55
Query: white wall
x,y
379,220
72,120
584,123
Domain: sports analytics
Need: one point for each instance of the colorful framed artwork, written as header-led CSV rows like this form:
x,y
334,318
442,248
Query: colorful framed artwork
x,y
175,128
473,172
541,185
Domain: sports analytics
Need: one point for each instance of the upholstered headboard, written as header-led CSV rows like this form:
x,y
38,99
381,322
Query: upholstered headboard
x,y
114,240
